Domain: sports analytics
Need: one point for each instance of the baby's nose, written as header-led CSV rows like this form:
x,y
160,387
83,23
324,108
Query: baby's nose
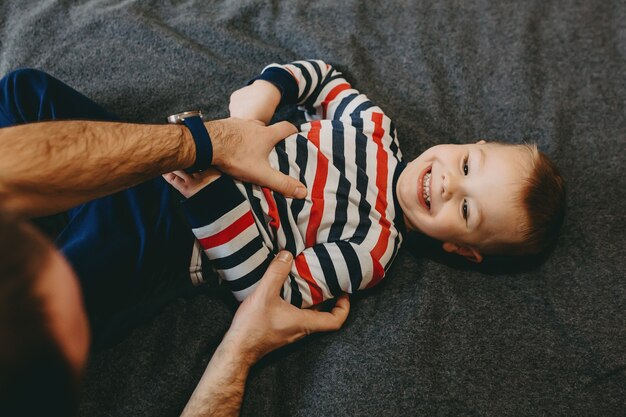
x,y
448,186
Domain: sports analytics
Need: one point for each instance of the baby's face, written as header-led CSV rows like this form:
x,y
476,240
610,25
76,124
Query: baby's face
x,y
464,195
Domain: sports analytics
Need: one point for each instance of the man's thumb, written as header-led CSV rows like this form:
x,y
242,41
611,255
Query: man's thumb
x,y
278,271
281,130
284,184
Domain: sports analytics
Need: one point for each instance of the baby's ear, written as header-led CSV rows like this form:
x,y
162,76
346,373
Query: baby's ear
x,y
468,253
481,142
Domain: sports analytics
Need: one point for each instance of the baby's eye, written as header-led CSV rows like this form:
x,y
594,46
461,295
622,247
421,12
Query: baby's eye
x,y
465,209
465,165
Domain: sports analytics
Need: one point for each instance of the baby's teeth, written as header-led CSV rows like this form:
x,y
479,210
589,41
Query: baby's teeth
x,y
426,186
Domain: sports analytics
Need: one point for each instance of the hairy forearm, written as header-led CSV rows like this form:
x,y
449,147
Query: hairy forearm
x,y
48,167
220,391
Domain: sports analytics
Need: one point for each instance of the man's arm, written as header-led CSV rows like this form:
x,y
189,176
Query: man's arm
x,y
48,167
264,322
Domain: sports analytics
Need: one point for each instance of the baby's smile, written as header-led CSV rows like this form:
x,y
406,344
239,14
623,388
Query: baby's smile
x,y
423,188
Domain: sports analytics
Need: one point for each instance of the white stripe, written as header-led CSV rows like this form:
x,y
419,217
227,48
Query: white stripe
x,y
354,103
353,217
307,301
317,272
332,183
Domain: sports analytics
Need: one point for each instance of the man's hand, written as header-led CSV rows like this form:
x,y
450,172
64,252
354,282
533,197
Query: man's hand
x,y
241,149
257,101
190,184
49,167
263,322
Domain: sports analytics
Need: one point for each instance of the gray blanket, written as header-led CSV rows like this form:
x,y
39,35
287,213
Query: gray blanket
x,y
432,339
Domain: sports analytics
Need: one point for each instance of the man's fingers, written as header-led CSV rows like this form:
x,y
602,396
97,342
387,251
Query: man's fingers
x,y
277,272
281,130
283,184
316,321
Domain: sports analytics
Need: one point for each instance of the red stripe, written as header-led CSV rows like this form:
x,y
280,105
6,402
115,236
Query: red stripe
x,y
378,273
381,199
305,272
229,233
272,208
331,96
317,192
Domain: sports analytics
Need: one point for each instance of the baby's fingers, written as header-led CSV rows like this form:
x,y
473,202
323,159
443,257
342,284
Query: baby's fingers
x,y
183,176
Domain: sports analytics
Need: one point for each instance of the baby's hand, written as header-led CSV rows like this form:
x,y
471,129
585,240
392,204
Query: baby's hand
x,y
257,101
190,184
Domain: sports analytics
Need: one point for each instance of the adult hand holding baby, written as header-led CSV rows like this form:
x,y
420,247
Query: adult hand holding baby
x,y
243,153
253,103
263,322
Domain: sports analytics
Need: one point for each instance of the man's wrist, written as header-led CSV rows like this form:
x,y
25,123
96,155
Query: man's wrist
x,y
235,346
186,149
216,132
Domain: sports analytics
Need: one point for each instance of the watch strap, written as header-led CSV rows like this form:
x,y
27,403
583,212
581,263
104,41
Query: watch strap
x,y
204,146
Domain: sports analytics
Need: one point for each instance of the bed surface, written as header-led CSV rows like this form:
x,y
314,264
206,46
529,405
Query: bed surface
x,y
431,340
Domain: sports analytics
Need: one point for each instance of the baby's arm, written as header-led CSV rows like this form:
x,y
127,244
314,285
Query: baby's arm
x,y
222,221
320,90
257,101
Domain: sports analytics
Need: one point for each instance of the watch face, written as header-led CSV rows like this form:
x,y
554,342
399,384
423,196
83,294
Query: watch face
x,y
179,117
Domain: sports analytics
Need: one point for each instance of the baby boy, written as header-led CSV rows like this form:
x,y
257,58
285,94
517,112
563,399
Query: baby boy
x,y
477,199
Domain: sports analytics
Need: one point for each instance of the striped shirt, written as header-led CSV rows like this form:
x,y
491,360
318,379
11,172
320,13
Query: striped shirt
x,y
347,231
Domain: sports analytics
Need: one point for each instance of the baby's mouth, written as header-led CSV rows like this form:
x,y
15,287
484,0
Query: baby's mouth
x,y
426,188
423,188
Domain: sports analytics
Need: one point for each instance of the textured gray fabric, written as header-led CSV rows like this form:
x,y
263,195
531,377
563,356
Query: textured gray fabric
x,y
431,340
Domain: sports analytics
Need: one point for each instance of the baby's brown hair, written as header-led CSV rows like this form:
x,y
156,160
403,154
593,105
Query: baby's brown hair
x,y
542,199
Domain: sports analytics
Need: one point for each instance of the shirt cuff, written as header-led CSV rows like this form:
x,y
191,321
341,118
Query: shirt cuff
x,y
283,80
212,202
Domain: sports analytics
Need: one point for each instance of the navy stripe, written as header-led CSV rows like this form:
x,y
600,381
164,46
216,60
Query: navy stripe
x,y
357,121
352,261
285,225
250,278
394,146
361,185
342,106
240,256
343,186
339,158
330,275
302,156
308,81
396,247
321,84
296,295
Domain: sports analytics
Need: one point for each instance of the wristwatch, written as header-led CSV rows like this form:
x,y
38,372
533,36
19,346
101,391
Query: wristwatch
x,y
204,148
